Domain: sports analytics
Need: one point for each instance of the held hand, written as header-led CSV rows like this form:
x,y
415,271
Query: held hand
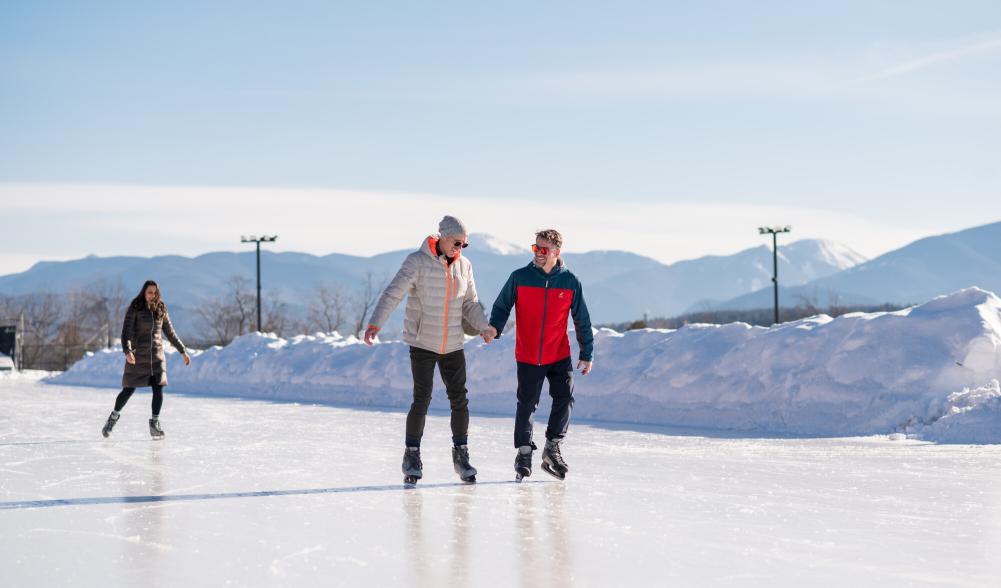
x,y
187,360
488,334
585,367
130,358
370,334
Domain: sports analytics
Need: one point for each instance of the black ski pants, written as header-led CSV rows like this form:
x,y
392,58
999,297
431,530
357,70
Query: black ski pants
x,y
126,393
452,367
530,380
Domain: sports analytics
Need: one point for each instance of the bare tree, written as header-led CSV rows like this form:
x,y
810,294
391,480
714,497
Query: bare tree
x,y
216,317
42,311
328,309
78,329
243,302
107,300
231,314
276,315
366,299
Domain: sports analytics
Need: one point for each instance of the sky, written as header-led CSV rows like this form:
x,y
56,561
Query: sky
x,y
670,129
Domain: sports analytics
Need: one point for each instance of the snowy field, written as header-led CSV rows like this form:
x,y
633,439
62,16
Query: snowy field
x,y
252,492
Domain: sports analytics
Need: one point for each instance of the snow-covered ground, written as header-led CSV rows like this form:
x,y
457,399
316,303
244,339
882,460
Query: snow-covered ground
x,y
929,371
251,492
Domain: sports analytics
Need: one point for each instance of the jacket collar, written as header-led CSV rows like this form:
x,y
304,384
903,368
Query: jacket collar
x,y
430,247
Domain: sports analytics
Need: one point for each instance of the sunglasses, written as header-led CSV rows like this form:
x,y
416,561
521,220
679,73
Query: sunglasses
x,y
543,250
460,244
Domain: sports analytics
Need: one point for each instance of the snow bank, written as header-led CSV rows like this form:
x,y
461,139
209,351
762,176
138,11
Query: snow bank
x,y
26,375
970,416
858,374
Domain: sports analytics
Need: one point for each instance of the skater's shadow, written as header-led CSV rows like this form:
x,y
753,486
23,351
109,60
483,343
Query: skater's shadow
x,y
26,504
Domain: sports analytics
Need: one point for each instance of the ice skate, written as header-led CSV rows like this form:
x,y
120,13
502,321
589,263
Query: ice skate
x,y
460,462
523,462
155,430
552,460
108,426
412,466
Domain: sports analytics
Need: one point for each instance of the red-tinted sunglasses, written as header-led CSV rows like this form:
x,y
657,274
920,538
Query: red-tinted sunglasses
x,y
542,250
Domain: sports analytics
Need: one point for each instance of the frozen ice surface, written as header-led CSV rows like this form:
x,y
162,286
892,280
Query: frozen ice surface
x,y
251,492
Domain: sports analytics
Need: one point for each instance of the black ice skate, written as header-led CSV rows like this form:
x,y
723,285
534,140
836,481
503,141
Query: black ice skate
x,y
552,461
412,466
460,461
523,462
155,430
112,419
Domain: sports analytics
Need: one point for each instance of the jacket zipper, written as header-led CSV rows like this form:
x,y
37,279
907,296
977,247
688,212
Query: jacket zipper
x,y
151,332
542,329
448,294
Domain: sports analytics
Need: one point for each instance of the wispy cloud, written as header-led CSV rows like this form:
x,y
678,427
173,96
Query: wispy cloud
x,y
935,59
745,78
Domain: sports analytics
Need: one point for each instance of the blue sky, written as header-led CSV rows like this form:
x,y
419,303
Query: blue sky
x,y
660,127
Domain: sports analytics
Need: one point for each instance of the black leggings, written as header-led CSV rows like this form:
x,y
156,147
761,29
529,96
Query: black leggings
x,y
126,393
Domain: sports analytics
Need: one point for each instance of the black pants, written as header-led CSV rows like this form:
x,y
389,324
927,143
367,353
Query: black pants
x,y
530,380
452,367
126,393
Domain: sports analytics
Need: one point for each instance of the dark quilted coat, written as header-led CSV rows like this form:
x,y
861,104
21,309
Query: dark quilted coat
x,y
141,335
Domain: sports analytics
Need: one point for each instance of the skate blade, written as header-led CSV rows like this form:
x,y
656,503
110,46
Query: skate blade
x,y
552,472
469,480
410,481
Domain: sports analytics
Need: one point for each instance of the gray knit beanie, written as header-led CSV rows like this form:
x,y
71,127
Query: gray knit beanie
x,y
450,225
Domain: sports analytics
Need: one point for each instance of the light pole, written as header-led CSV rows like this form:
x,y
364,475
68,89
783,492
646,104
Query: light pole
x,y
258,241
774,232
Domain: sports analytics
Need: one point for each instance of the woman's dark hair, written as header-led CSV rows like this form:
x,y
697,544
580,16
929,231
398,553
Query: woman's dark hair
x,y
157,306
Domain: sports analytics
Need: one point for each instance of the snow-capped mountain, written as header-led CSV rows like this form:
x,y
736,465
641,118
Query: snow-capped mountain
x,y
914,273
485,242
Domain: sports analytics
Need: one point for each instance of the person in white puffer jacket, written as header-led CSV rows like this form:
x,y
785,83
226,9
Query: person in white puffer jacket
x,y
441,296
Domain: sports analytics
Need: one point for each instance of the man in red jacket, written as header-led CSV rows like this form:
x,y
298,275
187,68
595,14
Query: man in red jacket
x,y
544,294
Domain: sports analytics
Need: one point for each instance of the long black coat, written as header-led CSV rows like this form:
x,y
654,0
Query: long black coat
x,y
141,335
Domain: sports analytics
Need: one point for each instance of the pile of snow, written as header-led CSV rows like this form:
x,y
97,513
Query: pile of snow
x,y
26,375
858,374
970,416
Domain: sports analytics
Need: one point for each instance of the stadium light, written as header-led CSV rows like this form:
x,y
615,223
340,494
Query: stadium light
x,y
774,232
258,240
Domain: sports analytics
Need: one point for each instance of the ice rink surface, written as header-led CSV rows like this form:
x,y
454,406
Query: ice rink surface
x,y
253,493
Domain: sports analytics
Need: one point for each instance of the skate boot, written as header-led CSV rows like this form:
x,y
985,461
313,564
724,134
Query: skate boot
x,y
412,466
552,461
523,462
460,461
112,419
155,430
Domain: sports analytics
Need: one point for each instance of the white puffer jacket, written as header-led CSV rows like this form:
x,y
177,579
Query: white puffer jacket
x,y
439,297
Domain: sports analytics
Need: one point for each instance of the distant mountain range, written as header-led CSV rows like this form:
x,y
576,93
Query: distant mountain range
x,y
912,274
619,286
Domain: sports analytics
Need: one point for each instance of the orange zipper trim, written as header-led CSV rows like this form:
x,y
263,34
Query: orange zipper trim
x,y
448,294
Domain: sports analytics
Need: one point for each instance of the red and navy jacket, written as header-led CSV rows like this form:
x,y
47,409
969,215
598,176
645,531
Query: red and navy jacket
x,y
542,303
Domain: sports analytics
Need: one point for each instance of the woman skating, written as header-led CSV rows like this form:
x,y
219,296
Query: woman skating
x,y
145,364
